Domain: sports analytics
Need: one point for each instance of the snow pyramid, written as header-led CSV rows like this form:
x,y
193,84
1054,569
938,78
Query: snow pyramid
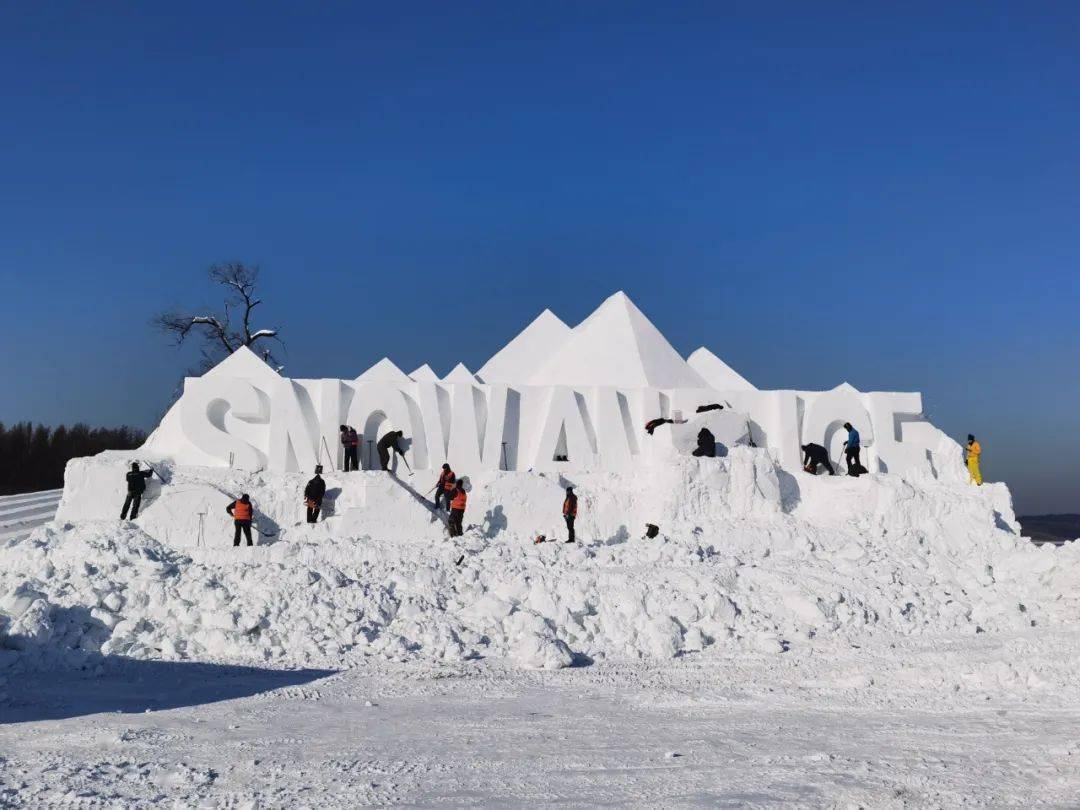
x,y
460,374
717,373
523,355
424,374
617,346
384,371
243,363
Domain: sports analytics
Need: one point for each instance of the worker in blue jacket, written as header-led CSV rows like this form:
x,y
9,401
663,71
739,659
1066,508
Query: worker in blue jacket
x,y
851,447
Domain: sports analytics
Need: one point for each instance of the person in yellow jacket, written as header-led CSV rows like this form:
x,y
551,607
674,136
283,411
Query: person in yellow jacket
x,y
973,453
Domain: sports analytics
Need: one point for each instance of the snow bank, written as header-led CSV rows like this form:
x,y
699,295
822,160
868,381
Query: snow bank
x,y
747,555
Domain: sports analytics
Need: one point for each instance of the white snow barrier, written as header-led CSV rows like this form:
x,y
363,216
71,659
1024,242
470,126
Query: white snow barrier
x,y
748,555
554,398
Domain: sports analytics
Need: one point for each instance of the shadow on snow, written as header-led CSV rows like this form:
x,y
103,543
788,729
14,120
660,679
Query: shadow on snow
x,y
131,686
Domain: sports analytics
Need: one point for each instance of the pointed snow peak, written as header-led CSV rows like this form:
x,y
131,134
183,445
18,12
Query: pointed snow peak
x,y
243,363
717,373
383,371
460,374
847,388
617,346
424,374
522,356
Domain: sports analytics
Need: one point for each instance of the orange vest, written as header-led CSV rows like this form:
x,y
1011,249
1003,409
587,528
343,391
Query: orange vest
x,y
448,479
241,510
459,500
569,508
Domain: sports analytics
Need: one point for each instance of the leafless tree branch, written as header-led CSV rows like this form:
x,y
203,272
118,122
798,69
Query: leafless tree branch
x,y
216,332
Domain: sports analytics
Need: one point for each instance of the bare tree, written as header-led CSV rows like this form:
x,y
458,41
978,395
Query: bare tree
x,y
221,335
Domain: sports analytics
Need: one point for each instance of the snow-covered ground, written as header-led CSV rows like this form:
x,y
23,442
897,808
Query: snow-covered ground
x,y
905,723
878,641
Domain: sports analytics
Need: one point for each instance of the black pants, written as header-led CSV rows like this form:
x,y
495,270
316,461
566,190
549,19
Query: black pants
x,y
852,453
132,500
570,528
705,452
384,458
442,494
245,526
456,517
351,457
313,512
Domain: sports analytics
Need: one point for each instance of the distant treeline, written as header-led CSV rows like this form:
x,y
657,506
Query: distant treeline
x,y
33,458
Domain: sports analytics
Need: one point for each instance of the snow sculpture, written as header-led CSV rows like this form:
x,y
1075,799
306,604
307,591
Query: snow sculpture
x,y
554,398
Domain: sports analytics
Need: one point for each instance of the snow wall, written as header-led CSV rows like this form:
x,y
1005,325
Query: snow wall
x,y
748,556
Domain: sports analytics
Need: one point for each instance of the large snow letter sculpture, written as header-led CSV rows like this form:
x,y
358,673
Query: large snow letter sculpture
x,y
615,439
380,407
214,410
537,400
294,429
496,434
826,414
329,422
889,412
468,418
565,432
434,410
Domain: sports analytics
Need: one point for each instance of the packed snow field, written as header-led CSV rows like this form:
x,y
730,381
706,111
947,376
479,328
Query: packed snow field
x,y
785,638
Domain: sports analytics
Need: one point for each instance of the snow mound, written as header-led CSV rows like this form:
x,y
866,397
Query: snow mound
x,y
747,555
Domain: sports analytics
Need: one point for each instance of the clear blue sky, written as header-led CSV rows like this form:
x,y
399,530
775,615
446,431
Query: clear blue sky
x,y
819,194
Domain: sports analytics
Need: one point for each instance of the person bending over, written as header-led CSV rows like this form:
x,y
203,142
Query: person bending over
x,y
457,509
813,455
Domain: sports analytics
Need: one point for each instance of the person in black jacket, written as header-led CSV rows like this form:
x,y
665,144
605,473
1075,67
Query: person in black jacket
x,y
386,444
706,444
136,486
813,455
350,440
569,511
313,495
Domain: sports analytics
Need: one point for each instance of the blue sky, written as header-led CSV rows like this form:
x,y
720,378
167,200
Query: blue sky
x,y
888,197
